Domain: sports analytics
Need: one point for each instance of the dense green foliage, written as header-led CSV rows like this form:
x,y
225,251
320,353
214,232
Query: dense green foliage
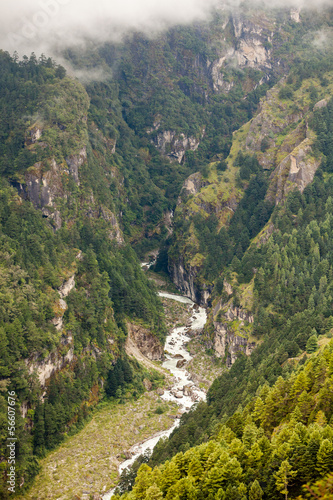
x,y
222,245
277,443
158,85
36,260
163,84
292,274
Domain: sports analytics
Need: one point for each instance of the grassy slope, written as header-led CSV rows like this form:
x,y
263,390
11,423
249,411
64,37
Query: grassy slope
x,y
88,461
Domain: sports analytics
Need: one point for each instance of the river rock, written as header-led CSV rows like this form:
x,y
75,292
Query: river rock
x,y
179,356
188,390
179,395
181,363
160,391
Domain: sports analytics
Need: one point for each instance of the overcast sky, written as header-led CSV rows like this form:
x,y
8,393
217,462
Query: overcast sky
x,y
38,25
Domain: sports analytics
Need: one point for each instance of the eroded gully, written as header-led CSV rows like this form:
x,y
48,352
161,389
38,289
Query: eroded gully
x,y
184,392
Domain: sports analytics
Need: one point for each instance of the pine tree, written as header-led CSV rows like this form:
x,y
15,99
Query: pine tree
x,y
325,457
39,430
154,493
195,469
256,492
312,344
283,476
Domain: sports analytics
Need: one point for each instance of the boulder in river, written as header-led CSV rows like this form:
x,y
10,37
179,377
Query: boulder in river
x,y
181,363
188,390
179,356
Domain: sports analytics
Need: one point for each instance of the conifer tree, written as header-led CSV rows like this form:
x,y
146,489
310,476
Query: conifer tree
x,y
312,344
195,469
256,492
325,457
154,493
283,477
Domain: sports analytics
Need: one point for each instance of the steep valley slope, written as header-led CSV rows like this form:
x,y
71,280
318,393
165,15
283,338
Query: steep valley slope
x,y
212,143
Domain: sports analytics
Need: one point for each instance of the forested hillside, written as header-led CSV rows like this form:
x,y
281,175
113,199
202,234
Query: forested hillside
x,y
86,262
265,273
211,143
278,442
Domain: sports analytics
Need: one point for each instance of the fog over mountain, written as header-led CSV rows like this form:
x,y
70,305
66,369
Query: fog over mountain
x,y
28,25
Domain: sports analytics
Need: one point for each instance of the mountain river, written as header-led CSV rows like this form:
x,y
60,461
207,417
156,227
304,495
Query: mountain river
x,y
183,391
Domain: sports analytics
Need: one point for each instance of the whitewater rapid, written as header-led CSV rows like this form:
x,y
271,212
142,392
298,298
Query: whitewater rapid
x,y
175,350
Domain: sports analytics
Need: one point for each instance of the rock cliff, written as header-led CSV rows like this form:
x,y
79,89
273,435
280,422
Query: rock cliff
x,y
174,146
281,139
144,341
232,329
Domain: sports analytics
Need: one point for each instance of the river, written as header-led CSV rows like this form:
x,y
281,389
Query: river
x,y
183,391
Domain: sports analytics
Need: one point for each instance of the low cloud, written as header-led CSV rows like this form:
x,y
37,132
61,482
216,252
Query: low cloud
x,y
43,24
50,25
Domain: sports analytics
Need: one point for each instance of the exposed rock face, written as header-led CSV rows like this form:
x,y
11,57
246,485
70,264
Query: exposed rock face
x,y
33,135
61,306
74,163
296,170
228,343
219,83
295,15
67,287
54,362
192,185
175,146
184,280
145,341
253,35
114,231
44,187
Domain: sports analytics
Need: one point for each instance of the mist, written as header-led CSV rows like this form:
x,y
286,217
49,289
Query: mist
x,y
50,25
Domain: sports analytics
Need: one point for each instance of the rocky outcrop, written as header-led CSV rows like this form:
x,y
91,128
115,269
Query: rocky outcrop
x,y
185,281
145,341
230,345
67,287
192,185
297,170
61,306
114,231
174,146
45,186
253,35
45,368
232,326
47,189
219,82
75,162
295,15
